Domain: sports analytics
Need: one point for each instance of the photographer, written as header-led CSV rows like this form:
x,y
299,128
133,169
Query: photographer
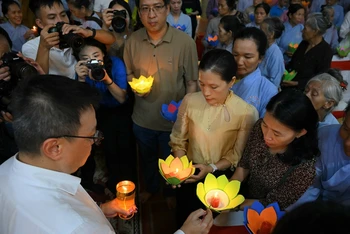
x,y
118,18
81,9
108,75
47,49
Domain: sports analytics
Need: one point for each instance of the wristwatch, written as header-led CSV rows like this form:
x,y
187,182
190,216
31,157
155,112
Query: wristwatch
x,y
215,168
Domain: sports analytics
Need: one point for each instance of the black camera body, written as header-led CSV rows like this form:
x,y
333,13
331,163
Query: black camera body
x,y
119,20
97,69
19,70
72,40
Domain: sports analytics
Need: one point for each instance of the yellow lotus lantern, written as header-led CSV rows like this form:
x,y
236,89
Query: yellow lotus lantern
x,y
175,170
219,194
142,84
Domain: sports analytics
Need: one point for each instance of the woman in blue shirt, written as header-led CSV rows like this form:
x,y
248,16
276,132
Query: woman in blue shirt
x,y
272,66
292,30
18,33
113,115
331,35
177,19
228,28
249,48
261,11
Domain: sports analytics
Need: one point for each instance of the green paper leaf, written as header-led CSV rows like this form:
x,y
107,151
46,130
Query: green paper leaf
x,y
174,181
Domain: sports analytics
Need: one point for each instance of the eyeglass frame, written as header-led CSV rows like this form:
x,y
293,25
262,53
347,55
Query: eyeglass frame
x,y
153,8
97,137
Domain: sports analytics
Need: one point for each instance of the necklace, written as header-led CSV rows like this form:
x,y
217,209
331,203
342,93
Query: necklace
x,y
217,115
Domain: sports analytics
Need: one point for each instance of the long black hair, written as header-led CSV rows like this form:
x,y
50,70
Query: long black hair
x,y
295,110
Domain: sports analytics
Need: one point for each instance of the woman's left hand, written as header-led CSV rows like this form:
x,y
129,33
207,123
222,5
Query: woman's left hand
x,y
204,170
289,83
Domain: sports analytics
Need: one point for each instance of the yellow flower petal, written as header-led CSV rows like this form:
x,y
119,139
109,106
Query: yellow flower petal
x,y
210,182
232,188
201,193
235,202
184,161
169,159
222,182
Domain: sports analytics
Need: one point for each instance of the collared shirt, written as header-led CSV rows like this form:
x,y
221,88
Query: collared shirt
x,y
37,200
172,62
272,66
328,120
209,133
16,34
225,47
61,62
256,90
183,21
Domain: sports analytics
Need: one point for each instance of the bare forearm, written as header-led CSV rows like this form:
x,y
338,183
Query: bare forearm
x,y
240,174
42,58
179,153
105,37
118,93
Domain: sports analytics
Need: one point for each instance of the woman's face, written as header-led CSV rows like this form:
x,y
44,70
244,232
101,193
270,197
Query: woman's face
x,y
213,87
315,93
14,14
224,36
223,8
175,6
77,12
246,55
119,8
345,134
277,136
297,17
331,15
308,33
260,15
91,52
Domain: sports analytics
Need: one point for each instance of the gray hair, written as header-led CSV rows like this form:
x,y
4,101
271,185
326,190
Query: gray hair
x,y
331,88
318,22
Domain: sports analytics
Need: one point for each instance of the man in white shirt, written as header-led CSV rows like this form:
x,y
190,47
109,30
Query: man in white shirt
x,y
45,50
55,128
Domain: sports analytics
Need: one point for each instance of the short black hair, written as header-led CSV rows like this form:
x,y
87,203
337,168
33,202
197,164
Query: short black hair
x,y
220,62
35,5
80,3
231,23
166,2
264,6
6,36
5,6
44,106
315,217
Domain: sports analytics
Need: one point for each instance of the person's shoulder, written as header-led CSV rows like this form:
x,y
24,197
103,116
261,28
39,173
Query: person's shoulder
x,y
32,43
180,37
328,131
137,35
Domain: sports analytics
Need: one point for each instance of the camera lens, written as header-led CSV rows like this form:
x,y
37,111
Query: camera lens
x,y
119,24
98,73
73,40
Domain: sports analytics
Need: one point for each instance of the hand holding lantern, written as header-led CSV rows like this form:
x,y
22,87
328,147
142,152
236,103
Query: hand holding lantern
x,y
219,194
126,198
142,85
258,219
175,170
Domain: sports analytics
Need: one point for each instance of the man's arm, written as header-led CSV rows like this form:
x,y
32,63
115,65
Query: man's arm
x,y
198,222
101,35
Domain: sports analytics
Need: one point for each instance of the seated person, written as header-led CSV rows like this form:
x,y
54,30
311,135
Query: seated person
x,y
278,9
249,48
179,20
45,48
18,33
325,93
331,35
261,11
272,65
229,26
251,9
278,161
338,12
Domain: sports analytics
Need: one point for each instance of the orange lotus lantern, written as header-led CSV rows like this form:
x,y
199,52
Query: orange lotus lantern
x,y
292,47
305,3
175,170
141,85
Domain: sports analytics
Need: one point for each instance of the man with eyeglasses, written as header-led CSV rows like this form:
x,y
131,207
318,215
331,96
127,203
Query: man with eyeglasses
x,y
170,56
55,128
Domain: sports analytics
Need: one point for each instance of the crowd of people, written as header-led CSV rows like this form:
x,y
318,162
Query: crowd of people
x,y
65,97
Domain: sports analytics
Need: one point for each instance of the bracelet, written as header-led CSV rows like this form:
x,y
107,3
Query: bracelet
x,y
93,32
110,83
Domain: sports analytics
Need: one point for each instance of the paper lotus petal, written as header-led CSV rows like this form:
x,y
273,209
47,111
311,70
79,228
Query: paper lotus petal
x,y
142,85
169,112
175,170
305,3
189,10
222,189
292,47
343,52
180,27
288,76
212,40
258,219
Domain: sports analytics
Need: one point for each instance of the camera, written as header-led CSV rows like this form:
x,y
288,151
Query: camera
x,y
119,20
97,69
19,70
72,40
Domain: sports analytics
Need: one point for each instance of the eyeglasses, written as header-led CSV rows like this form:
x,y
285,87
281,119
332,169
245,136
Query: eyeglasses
x,y
147,9
97,137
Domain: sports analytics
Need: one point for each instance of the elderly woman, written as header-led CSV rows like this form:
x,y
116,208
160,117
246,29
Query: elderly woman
x,y
212,127
272,66
249,48
331,35
278,162
229,26
314,54
325,93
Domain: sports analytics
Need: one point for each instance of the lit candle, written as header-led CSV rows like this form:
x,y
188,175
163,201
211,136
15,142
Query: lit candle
x,y
174,173
217,198
126,196
142,85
